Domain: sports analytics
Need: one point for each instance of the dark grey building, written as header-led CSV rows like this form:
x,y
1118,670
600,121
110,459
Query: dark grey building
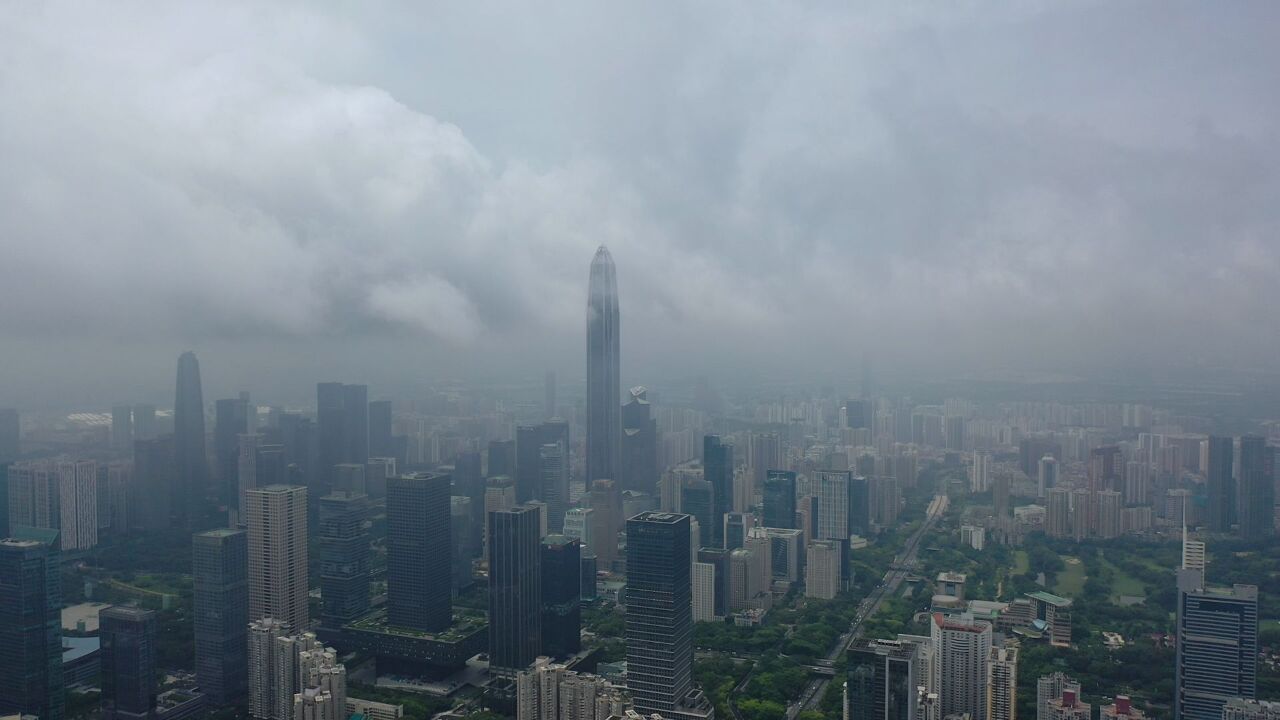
x,y
735,530
189,442
380,442
530,440
561,596
355,424
515,589
719,559
1257,488
344,557
144,422
128,657
659,619
696,499
604,370
860,505
1217,646
121,429
154,476
1222,502
549,395
330,435
220,591
717,469
780,499
639,468
502,458
230,421
883,677
31,627
419,564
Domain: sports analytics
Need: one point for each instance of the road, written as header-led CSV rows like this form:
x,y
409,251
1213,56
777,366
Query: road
x,y
903,564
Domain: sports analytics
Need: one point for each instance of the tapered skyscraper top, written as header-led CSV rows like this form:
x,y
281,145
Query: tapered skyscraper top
x,y
604,404
188,439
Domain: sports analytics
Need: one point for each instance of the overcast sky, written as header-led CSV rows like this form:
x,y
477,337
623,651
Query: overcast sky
x,y
305,192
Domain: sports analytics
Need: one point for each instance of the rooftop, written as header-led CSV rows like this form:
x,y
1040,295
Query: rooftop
x,y
1050,598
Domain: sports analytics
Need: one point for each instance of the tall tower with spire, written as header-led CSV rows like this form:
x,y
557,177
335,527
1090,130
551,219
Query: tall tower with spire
x,y
188,440
604,373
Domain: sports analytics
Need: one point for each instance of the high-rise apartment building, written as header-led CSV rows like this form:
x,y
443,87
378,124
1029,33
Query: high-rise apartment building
x,y
561,596
704,592
1002,683
549,691
1050,688
961,653
1047,475
604,370
31,626
980,473
121,429
277,523
189,442
220,592
515,589
419,567
344,556
78,504
264,687
128,657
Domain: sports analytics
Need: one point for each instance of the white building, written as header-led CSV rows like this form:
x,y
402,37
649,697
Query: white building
x,y
822,569
980,473
550,691
577,524
78,504
704,592
374,710
1002,683
961,651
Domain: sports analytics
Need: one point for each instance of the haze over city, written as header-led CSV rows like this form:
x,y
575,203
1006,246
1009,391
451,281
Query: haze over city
x,y
670,361
408,193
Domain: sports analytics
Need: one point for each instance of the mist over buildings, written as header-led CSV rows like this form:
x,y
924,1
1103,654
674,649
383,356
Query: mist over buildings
x,y
399,195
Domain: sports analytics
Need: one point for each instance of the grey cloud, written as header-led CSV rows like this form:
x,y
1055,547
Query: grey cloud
x,y
1048,184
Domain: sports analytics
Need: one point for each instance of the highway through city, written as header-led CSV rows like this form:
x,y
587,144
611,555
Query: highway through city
x,y
903,564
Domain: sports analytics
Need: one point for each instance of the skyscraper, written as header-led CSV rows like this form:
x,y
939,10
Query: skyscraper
x,y
128,657
78,504
264,636
1217,644
344,556
530,440
9,432
554,469
380,442
888,673
330,435
31,627
780,499
144,422
639,468
277,521
696,499
1048,475
659,621
355,424
606,506
515,589
121,429
604,371
717,469
549,395
419,564
961,651
1257,488
220,590
230,421
189,441
1002,683
1219,479
561,596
